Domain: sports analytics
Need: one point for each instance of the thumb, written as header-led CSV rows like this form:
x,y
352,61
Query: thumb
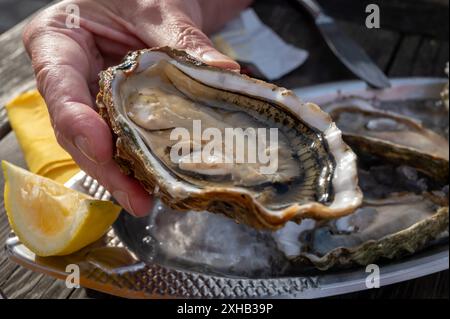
x,y
183,34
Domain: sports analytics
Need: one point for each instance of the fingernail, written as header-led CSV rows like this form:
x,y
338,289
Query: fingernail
x,y
219,59
83,145
124,200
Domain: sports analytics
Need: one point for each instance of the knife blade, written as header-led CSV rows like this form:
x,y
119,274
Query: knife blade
x,y
345,48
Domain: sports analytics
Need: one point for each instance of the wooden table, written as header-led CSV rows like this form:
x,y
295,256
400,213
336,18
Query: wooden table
x,y
400,51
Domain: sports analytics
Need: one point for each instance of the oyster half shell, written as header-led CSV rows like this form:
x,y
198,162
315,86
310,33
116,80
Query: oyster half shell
x,y
154,92
403,173
391,227
395,137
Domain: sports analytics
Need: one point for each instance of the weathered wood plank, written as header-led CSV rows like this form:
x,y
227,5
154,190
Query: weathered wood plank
x,y
7,268
418,56
23,283
79,294
4,232
15,69
50,288
20,283
424,64
12,11
403,62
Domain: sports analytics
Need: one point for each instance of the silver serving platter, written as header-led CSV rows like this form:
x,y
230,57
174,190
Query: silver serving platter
x,y
148,279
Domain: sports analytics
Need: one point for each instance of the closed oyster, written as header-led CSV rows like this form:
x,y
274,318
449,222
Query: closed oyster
x,y
154,92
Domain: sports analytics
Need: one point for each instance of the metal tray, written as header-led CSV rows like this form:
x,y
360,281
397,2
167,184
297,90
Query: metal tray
x,y
111,265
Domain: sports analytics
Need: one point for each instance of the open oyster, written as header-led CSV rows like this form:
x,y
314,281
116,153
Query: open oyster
x,y
396,137
402,212
404,177
156,93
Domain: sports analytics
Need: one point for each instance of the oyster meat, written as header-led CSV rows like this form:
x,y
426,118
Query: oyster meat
x,y
157,94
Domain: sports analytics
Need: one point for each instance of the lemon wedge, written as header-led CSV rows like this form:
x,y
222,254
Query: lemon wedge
x,y
50,219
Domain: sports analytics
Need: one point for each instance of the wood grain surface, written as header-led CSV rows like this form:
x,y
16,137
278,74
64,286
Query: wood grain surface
x,y
401,49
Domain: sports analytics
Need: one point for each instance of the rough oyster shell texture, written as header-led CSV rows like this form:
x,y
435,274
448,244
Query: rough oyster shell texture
x,y
154,91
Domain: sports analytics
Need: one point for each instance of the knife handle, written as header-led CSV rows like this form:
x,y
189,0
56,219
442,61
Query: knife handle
x,y
313,7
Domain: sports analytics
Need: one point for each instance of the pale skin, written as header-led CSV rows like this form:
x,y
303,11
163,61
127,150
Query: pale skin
x,y
67,63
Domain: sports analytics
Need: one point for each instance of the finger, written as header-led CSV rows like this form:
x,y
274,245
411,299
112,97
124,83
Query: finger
x,y
86,136
62,73
63,70
126,190
180,32
188,37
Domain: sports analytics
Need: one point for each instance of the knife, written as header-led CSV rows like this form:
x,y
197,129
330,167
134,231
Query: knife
x,y
346,49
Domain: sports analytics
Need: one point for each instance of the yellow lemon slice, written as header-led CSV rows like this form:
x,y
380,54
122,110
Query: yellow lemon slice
x,y
50,219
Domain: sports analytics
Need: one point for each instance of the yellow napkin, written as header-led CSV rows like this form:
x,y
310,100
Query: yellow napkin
x,y
30,121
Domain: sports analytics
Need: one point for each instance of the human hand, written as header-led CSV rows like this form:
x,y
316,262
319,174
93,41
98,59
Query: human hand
x,y
67,62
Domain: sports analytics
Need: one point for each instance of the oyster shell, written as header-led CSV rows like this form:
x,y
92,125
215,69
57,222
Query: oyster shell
x,y
405,186
155,91
393,221
399,139
444,93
